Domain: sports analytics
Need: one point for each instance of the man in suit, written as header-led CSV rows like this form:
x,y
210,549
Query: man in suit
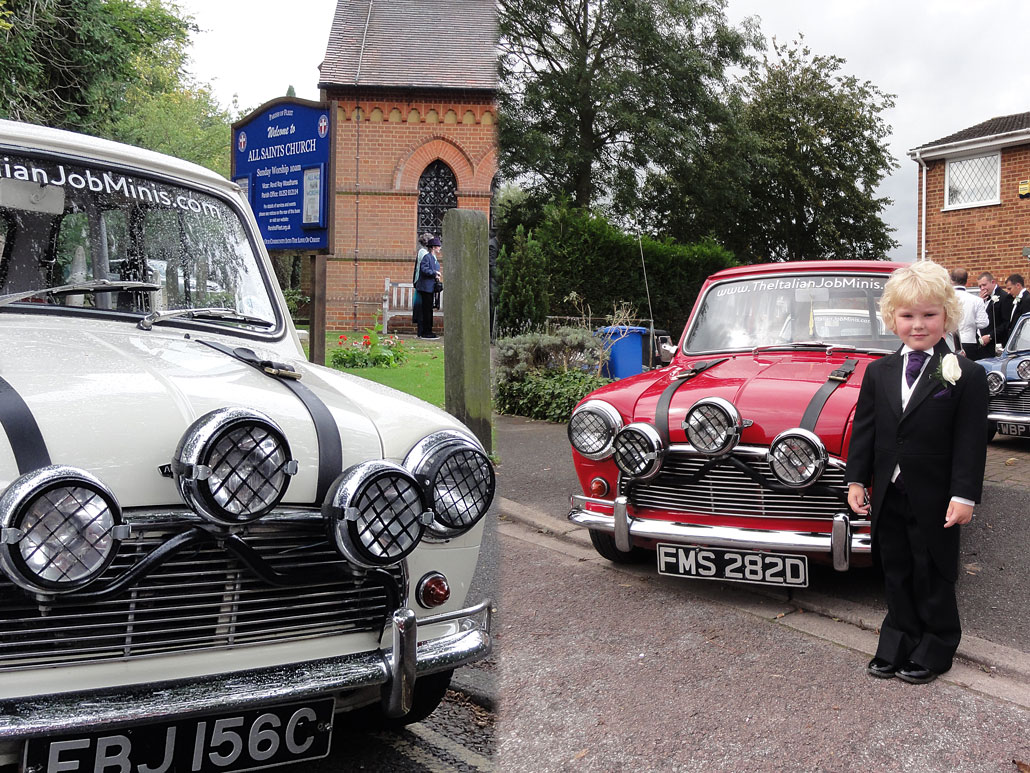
x,y
997,303
1020,302
920,439
974,315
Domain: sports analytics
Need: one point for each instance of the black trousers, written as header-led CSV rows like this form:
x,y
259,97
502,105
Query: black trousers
x,y
922,622
425,324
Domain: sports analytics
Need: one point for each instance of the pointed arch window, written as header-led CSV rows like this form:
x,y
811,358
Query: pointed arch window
x,y
437,192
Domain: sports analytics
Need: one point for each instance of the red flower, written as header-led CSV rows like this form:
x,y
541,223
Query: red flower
x,y
343,338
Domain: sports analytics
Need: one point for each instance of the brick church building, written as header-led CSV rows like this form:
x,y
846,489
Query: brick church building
x,y
414,86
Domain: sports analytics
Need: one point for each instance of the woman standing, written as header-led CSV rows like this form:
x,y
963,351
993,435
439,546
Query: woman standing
x,y
416,304
428,276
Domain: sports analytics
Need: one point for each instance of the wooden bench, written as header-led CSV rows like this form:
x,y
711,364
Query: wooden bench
x,y
398,298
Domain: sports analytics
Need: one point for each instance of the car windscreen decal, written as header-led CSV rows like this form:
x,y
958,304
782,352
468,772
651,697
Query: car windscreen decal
x,y
30,451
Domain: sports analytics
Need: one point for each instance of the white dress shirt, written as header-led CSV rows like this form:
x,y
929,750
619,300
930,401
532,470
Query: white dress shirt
x,y
974,315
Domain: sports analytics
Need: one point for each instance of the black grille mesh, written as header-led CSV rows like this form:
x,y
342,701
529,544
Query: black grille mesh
x,y
60,544
589,432
389,509
630,452
247,470
463,489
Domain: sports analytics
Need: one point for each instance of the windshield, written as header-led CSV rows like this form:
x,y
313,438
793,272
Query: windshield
x,y
1020,339
797,308
66,224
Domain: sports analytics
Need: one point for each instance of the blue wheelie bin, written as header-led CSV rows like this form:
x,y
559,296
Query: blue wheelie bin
x,y
626,356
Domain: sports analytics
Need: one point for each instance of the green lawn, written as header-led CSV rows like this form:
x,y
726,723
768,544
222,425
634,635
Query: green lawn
x,y
421,375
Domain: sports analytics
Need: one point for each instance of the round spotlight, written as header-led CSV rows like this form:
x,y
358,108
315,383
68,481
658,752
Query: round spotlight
x,y
233,466
593,427
995,382
61,529
713,426
377,513
638,451
458,478
1023,370
797,458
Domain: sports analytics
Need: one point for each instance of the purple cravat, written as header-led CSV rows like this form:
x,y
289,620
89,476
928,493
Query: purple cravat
x,y
916,359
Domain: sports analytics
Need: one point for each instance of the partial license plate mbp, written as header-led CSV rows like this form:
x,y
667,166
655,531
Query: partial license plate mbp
x,y
1011,428
247,740
737,565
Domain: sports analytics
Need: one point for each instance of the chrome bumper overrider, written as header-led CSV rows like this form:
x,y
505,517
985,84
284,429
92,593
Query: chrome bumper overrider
x,y
395,670
841,542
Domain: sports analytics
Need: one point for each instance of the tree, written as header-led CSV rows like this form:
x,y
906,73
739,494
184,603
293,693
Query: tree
x,y
794,176
69,63
593,92
522,302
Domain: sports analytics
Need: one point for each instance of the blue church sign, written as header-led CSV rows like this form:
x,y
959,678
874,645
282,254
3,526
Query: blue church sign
x,y
281,160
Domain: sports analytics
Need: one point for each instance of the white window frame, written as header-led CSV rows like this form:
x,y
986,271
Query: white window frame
x,y
970,204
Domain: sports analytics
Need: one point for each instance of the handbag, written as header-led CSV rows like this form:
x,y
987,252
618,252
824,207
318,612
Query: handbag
x,y
437,286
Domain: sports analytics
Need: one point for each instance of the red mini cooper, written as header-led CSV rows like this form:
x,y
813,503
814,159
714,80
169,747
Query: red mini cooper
x,y
728,463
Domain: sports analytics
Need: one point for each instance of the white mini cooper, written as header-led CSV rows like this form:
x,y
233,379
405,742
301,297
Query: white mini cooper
x,y
208,546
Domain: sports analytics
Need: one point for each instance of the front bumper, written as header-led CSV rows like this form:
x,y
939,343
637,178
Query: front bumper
x,y
395,670
843,540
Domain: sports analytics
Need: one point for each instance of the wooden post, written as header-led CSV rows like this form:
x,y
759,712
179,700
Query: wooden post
x,y
316,326
465,260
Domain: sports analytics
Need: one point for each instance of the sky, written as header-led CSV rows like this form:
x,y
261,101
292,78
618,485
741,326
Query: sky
x,y
951,64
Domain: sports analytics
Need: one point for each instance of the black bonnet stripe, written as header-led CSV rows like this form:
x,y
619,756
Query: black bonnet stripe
x,y
330,448
30,451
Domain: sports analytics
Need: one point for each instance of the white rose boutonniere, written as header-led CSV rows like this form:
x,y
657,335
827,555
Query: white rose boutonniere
x,y
994,299
948,372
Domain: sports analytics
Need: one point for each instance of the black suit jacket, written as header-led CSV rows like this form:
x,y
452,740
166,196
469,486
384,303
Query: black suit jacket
x,y
939,441
997,318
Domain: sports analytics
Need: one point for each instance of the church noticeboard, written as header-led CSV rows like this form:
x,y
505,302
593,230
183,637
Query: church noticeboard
x,y
281,155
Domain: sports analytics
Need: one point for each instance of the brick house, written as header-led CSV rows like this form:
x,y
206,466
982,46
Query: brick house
x,y
414,84
974,197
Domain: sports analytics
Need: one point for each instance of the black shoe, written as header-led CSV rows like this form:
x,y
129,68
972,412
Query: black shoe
x,y
913,673
881,668
430,337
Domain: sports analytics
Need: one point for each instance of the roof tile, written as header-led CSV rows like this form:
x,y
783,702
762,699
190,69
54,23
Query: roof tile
x,y
449,44
989,128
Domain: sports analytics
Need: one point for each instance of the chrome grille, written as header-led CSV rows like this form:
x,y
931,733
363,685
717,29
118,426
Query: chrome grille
x,y
1014,399
201,598
726,490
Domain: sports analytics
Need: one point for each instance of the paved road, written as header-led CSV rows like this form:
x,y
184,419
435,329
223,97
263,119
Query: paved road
x,y
606,669
536,472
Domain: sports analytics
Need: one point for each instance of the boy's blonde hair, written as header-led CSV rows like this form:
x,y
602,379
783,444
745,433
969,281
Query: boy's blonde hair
x,y
921,282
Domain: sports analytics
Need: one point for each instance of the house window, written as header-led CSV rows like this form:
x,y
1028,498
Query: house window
x,y
437,192
973,182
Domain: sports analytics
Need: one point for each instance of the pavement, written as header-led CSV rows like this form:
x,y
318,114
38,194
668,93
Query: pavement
x,y
535,477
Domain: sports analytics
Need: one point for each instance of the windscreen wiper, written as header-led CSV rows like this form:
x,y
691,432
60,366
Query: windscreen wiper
x,y
212,313
79,288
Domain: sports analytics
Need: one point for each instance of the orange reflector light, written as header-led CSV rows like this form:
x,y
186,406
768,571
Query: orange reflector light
x,y
433,590
598,487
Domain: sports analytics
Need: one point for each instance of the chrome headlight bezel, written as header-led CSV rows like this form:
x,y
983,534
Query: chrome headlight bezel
x,y
377,513
604,420
207,476
995,382
1023,370
718,418
102,533
458,479
792,446
638,451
